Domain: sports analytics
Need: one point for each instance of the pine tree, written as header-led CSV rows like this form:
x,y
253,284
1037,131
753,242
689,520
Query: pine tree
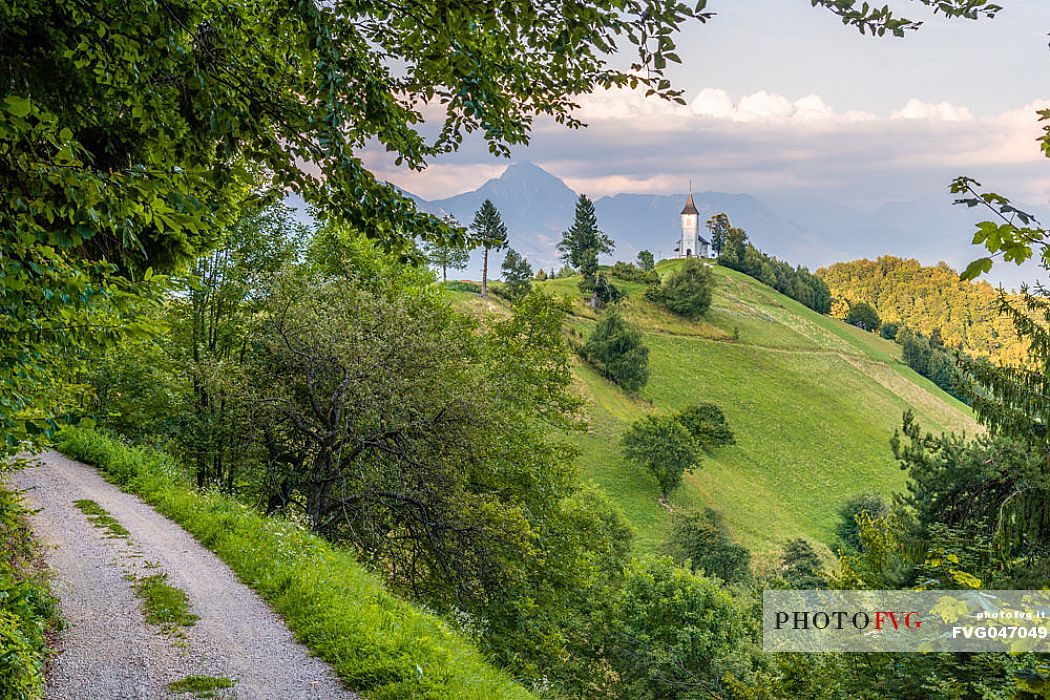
x,y
488,228
517,273
582,244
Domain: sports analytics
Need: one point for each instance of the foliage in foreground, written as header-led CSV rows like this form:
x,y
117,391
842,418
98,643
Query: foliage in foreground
x,y
26,605
378,644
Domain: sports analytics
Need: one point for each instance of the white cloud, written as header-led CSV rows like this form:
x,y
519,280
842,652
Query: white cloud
x,y
939,111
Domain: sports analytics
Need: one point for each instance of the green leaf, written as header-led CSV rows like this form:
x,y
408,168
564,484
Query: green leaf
x,y
976,268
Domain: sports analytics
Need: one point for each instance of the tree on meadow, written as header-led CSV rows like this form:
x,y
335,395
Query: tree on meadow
x,y
517,274
581,245
707,423
718,225
646,261
615,348
800,565
688,290
664,447
863,316
490,231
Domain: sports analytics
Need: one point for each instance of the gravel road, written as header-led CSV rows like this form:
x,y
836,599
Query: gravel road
x,y
108,651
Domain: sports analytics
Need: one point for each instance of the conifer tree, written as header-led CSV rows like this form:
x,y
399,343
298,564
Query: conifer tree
x,y
582,244
489,229
517,273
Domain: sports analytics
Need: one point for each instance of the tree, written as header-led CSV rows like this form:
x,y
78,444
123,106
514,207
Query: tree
x,y
863,316
719,227
869,505
169,114
800,565
517,273
615,349
688,290
581,245
702,540
646,262
889,330
675,634
734,249
447,255
663,446
707,424
489,230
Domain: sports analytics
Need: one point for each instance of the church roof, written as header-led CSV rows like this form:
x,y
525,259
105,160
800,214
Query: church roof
x,y
690,208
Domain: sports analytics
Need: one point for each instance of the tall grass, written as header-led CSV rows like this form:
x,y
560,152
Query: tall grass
x,y
379,645
26,606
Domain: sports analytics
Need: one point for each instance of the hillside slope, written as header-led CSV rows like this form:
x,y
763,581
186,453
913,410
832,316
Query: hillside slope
x,y
812,400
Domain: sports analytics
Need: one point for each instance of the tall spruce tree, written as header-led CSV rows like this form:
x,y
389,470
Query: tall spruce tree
x,y
491,232
581,245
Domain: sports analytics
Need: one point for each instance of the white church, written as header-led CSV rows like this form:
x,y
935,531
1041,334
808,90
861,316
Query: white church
x,y
691,244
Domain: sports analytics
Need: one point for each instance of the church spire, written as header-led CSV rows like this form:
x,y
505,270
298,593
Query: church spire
x,y
690,208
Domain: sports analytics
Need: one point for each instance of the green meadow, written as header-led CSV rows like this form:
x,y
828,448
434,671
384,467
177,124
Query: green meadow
x,y
813,401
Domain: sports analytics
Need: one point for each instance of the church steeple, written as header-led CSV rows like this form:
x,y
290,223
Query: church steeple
x,y
690,208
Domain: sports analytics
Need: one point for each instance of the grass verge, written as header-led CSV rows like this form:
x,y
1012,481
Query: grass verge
x,y
27,609
380,645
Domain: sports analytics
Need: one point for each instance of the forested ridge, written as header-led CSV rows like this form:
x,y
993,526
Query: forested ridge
x,y
931,300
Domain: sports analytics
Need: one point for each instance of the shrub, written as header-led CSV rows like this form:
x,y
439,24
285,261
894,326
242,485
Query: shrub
x,y
688,290
863,316
848,530
702,540
707,424
615,349
632,273
463,286
676,634
889,331
26,606
800,565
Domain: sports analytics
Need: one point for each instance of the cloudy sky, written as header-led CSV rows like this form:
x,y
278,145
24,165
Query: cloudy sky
x,y
785,101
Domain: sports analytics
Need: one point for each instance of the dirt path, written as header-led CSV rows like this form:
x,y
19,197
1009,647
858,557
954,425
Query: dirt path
x,y
108,651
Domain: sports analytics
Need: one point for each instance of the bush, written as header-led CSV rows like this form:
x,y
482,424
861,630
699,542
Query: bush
x,y
631,273
889,331
707,424
800,565
688,290
615,349
26,606
463,286
702,540
377,643
848,530
863,316
676,634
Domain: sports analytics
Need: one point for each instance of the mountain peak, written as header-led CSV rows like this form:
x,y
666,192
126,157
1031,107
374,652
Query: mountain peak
x,y
527,170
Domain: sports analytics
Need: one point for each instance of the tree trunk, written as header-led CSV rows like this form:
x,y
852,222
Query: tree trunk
x,y
594,298
444,273
485,275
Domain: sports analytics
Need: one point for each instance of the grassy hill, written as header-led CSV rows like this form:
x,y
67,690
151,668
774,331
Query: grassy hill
x,y
812,400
